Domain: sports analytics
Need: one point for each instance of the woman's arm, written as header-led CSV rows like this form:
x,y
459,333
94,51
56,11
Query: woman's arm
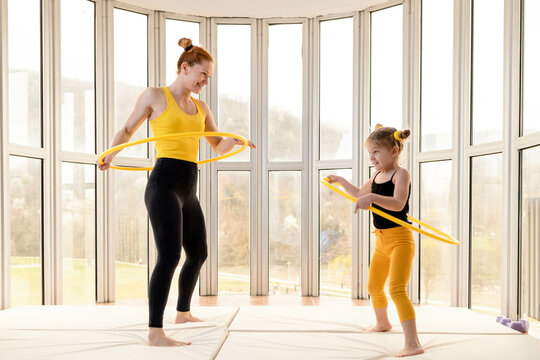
x,y
141,112
219,144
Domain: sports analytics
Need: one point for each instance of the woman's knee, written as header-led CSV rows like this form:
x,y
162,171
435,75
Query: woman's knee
x,y
169,259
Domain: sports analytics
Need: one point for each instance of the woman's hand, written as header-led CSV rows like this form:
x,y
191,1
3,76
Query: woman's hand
x,y
106,162
241,142
363,202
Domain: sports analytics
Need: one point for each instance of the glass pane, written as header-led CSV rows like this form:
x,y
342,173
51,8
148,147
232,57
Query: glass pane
x,y
285,231
24,62
175,30
335,239
436,210
531,71
437,65
487,70
131,238
486,219
233,69
130,72
25,193
78,85
530,224
335,93
233,231
387,67
285,107
78,233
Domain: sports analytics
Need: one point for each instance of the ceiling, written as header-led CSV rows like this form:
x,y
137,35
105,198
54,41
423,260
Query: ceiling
x,y
255,8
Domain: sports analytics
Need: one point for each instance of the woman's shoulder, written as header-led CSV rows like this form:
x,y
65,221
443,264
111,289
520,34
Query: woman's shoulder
x,y
203,105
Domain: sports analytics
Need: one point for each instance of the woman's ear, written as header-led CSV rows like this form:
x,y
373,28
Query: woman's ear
x,y
184,68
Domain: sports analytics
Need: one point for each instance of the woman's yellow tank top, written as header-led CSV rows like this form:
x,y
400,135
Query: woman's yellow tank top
x,y
174,120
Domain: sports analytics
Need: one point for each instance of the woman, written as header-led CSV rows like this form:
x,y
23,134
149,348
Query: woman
x,y
170,196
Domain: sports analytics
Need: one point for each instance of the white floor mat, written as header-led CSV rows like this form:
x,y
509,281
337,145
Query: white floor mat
x,y
104,317
253,332
358,318
337,346
107,344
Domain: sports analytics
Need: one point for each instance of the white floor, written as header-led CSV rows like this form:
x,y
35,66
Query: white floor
x,y
253,332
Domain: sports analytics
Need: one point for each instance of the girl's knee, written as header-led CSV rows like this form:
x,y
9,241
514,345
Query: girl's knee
x,y
374,288
398,292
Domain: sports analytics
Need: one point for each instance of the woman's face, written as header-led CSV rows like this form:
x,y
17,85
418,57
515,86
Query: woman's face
x,y
381,157
198,75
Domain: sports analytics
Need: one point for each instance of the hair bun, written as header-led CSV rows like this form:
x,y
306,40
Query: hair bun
x,y
378,126
185,42
403,134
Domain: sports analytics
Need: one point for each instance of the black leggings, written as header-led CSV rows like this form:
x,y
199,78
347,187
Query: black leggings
x,y
177,221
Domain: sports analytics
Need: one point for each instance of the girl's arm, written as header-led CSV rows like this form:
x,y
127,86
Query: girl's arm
x,y
351,189
393,203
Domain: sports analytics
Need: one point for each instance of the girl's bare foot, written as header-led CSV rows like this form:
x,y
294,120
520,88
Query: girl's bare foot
x,y
410,350
412,344
380,327
157,337
184,317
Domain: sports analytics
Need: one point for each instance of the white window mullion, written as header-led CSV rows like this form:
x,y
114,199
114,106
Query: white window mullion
x,y
4,158
511,126
356,256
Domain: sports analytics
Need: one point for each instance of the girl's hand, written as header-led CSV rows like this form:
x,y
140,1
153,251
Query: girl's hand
x,y
106,162
363,203
334,179
240,142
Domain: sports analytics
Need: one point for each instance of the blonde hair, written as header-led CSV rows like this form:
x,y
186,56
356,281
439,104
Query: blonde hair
x,y
192,54
388,137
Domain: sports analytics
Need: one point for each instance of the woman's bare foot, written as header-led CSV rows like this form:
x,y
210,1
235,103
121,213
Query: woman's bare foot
x,y
157,337
410,350
184,317
380,328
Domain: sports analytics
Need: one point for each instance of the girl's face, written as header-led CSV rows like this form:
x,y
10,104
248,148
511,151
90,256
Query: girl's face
x,y
381,157
198,75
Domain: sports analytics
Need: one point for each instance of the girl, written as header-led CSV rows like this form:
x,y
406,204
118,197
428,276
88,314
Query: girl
x,y
388,190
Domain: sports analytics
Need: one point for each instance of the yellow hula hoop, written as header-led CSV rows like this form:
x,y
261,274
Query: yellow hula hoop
x,y
444,237
162,137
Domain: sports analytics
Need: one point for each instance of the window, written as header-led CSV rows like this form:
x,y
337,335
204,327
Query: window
x,y
233,231
435,210
335,94
25,194
233,67
387,67
78,84
487,70
24,62
285,231
285,92
437,74
78,233
486,232
130,72
335,236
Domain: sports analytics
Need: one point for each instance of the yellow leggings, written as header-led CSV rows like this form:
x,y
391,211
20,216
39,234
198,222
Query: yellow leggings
x,y
394,253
